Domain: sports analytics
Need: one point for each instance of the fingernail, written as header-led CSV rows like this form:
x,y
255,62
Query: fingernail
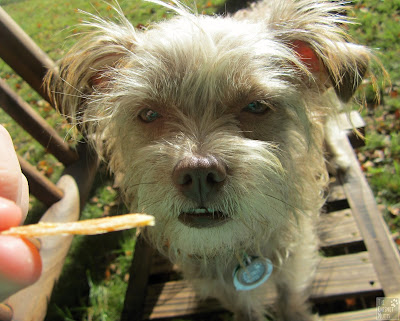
x,y
6,313
36,243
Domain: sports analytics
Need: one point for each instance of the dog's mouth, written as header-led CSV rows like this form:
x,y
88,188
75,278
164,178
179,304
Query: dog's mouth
x,y
203,218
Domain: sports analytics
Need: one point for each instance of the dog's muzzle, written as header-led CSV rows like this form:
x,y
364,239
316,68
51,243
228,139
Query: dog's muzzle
x,y
200,178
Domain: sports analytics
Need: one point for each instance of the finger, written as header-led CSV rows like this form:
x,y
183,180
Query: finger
x,y
20,264
10,214
23,200
10,171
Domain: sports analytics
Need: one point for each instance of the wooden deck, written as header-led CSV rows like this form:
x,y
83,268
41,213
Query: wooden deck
x,y
360,262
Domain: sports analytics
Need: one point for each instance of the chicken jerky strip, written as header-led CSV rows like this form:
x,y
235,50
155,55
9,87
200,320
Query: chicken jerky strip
x,y
85,227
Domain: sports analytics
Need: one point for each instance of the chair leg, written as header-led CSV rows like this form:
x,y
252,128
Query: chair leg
x,y
137,285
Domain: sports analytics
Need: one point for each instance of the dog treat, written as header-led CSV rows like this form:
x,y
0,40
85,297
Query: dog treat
x,y
85,227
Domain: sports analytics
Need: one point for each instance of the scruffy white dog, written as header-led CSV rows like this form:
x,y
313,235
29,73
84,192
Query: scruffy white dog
x,y
216,126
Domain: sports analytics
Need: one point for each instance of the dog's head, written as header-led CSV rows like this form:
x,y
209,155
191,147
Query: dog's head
x,y
214,122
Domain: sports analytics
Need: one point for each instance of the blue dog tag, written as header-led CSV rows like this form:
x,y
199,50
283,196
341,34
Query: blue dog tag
x,y
254,273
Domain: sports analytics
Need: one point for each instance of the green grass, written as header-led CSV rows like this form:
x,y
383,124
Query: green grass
x,y
379,28
93,281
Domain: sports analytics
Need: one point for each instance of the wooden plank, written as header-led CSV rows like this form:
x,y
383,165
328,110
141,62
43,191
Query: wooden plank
x,y
35,125
383,252
20,52
363,315
83,171
345,275
336,199
350,122
336,277
336,191
137,286
161,265
41,187
177,299
338,229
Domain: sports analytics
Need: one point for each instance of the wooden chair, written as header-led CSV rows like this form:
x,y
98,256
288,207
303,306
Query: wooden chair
x,y
67,197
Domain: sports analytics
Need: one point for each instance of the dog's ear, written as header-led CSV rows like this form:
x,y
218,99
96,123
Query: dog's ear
x,y
347,78
315,31
342,66
89,67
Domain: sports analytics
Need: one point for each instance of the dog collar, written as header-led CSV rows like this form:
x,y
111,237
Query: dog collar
x,y
252,273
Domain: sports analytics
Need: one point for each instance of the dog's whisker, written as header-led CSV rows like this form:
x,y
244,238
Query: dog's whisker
x,y
142,183
73,87
284,202
145,183
71,95
146,206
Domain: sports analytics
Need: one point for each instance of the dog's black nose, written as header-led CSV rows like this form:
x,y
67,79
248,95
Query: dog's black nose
x,y
199,177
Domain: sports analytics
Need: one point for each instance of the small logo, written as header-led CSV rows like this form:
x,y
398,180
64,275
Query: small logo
x,y
387,308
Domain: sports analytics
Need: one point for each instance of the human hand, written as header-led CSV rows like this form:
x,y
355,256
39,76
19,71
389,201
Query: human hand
x,y
20,262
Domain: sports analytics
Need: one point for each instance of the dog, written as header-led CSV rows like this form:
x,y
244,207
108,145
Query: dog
x,y
216,126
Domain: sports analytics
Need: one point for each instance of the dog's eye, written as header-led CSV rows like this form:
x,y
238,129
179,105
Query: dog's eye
x,y
257,107
148,115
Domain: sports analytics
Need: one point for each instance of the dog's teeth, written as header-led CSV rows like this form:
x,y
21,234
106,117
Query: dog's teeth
x,y
200,210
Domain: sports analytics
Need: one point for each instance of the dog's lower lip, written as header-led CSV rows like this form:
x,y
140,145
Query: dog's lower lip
x,y
203,218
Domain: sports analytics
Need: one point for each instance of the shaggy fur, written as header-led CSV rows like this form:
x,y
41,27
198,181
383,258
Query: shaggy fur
x,y
164,104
